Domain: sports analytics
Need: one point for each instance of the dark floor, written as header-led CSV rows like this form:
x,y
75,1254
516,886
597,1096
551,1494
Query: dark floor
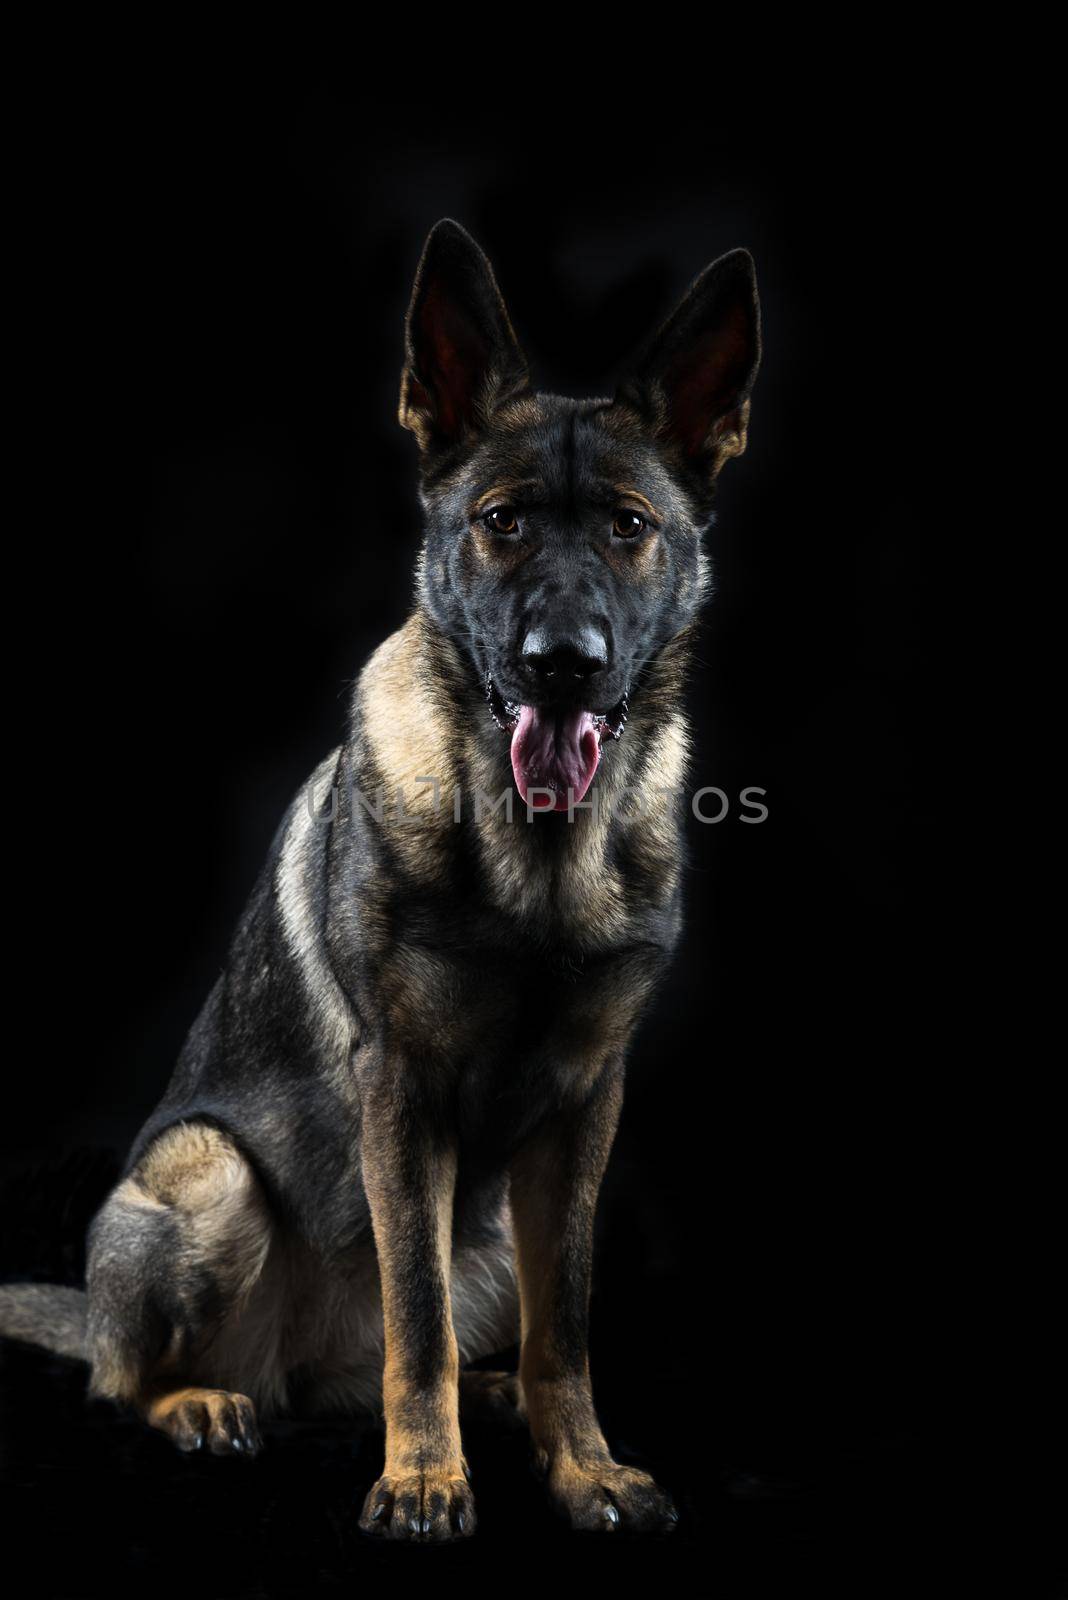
x,y
111,1508
783,1488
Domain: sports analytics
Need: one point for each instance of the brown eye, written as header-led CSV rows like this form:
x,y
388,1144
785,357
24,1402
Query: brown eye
x,y
502,520
628,525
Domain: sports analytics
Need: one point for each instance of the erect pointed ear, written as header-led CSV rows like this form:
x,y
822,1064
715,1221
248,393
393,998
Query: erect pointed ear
x,y
462,358
693,382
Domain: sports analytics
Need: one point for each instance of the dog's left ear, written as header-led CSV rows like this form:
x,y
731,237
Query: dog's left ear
x,y
462,358
694,380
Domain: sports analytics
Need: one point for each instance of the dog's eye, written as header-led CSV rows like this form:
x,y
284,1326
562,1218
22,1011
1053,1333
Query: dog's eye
x,y
502,520
628,525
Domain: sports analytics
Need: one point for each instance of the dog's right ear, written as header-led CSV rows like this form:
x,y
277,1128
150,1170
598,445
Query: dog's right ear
x,y
694,382
462,359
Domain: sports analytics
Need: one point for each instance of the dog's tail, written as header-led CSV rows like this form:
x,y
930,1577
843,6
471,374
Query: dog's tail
x,y
45,1314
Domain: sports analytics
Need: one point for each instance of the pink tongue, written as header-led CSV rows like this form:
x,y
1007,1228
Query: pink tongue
x,y
552,753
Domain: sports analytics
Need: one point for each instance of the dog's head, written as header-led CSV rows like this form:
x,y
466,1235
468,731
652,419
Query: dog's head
x,y
563,544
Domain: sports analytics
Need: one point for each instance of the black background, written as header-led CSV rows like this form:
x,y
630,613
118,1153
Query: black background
x,y
225,522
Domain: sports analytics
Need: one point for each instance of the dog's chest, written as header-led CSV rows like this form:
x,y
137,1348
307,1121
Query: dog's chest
x,y
513,1029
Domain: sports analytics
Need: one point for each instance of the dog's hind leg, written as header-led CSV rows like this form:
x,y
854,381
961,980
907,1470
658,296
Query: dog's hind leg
x,y
193,1417
175,1253
492,1397
485,1309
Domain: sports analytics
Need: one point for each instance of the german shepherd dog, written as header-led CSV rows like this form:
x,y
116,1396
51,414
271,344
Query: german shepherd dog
x,y
379,1155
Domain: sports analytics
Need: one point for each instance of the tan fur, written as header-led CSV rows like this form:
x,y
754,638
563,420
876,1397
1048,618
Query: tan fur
x,y
334,1017
503,494
638,560
730,436
116,1374
555,1183
414,735
410,1188
193,1416
198,1171
285,1311
630,498
194,1173
407,734
501,555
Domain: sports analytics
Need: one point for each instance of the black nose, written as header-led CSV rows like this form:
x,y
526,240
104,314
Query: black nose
x,y
563,658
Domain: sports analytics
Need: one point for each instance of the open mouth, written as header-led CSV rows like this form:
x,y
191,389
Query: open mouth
x,y
555,754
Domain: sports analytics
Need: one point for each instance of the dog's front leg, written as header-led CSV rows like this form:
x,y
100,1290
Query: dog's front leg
x,y
409,1173
555,1181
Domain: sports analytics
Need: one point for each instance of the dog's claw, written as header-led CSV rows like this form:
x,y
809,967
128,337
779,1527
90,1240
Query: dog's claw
x,y
207,1420
434,1507
605,1497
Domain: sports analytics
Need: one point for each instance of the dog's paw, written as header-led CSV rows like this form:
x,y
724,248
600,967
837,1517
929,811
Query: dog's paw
x,y
605,1498
197,1418
428,1506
